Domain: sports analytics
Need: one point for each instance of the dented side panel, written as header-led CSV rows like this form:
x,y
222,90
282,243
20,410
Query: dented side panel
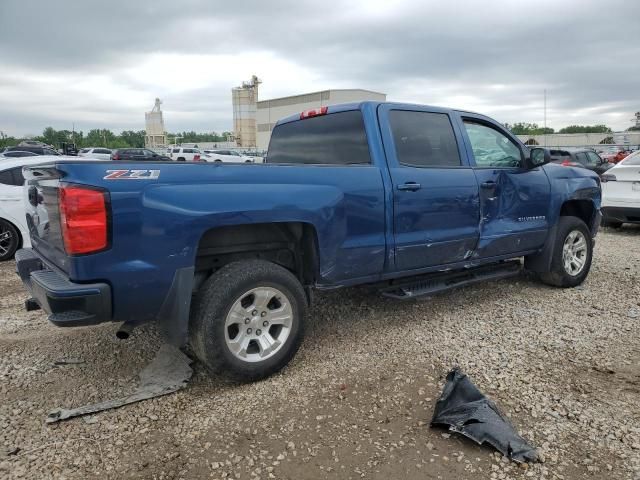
x,y
514,214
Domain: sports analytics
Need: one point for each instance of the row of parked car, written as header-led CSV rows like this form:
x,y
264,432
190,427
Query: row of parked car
x,y
180,154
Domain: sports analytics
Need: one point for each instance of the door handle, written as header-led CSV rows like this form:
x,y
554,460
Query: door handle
x,y
410,186
489,184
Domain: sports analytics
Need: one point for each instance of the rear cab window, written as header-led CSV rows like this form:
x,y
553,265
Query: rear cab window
x,y
332,139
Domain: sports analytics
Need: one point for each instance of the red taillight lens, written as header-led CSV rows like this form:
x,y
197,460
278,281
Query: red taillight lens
x,y
196,158
115,156
83,219
314,112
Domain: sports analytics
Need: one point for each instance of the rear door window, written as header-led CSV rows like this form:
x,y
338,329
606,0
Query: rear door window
x,y
12,176
424,139
334,139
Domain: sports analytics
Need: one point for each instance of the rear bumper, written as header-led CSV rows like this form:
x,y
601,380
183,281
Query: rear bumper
x,y
68,304
621,214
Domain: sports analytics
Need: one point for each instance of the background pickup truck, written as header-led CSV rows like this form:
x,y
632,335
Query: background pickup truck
x,y
224,257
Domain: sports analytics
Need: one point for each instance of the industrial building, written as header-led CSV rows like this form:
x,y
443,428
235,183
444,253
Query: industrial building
x,y
244,99
270,111
582,139
155,134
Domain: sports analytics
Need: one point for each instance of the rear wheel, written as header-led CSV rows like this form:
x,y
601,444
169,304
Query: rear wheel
x,y
9,240
572,254
181,159
247,321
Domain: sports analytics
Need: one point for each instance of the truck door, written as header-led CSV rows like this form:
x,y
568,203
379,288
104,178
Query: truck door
x,y
435,192
514,200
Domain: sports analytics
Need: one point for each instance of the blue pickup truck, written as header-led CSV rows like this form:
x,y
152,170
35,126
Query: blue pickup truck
x,y
409,198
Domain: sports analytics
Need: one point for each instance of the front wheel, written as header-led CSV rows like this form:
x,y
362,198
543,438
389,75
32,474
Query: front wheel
x,y
572,254
247,321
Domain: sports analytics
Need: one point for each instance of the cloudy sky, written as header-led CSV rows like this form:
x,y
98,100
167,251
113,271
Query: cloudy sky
x,y
100,64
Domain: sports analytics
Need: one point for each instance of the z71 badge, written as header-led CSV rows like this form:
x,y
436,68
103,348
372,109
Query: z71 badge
x,y
131,175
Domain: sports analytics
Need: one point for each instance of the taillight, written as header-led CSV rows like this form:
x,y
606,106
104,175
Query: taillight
x,y
115,156
314,112
83,219
196,158
607,177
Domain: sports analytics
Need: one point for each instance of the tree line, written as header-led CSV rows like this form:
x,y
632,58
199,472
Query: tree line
x,y
523,128
107,139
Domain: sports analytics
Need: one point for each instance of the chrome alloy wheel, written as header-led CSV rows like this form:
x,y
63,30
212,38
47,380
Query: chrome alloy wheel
x,y
258,324
574,253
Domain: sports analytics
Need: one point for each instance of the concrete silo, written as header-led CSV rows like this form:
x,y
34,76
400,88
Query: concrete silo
x,y
154,126
245,99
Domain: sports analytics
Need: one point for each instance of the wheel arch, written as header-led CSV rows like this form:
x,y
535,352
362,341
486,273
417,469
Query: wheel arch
x,y
292,245
585,210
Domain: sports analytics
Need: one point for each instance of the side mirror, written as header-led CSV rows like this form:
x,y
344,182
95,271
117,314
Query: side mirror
x,y
538,157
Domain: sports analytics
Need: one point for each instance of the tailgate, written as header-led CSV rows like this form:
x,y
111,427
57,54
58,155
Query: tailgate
x,y
43,215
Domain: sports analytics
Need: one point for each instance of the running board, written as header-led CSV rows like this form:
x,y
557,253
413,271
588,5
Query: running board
x,y
438,282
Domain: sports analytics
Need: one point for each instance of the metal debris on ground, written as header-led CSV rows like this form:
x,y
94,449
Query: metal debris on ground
x,y
464,409
168,372
68,361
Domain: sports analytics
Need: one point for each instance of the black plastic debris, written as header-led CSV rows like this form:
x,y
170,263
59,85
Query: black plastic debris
x,y
464,409
168,372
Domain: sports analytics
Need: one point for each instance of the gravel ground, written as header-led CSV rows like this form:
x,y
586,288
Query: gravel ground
x,y
357,399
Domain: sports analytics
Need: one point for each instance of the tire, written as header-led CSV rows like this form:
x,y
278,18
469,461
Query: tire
x,y
217,160
570,231
216,323
181,159
9,240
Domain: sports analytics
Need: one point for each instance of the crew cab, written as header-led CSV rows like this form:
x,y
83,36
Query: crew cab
x,y
409,198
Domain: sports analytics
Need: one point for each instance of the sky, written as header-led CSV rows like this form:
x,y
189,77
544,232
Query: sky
x,y
101,64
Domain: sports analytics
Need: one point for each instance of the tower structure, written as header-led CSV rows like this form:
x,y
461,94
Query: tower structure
x,y
245,100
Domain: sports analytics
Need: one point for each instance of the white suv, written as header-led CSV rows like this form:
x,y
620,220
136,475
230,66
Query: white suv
x,y
99,153
226,156
185,154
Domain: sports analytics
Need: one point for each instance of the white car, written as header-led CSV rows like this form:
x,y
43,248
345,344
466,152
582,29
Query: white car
x,y
228,156
183,154
621,192
99,153
14,233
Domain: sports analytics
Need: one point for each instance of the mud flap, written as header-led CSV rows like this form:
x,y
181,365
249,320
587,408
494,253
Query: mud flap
x,y
168,372
464,409
541,261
